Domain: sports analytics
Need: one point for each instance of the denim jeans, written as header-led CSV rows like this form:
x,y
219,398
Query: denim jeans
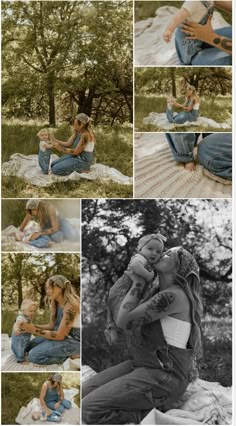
x,y
181,145
19,345
70,163
181,117
202,54
64,404
44,160
66,232
46,352
215,154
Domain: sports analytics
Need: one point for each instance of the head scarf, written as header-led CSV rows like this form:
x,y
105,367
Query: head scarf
x,y
32,204
144,240
59,280
83,118
187,264
56,377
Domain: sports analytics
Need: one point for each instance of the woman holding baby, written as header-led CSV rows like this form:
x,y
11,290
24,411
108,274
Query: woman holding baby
x,y
165,337
52,227
78,149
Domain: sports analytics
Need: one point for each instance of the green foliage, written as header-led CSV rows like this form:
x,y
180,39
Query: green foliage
x,y
65,57
19,389
9,316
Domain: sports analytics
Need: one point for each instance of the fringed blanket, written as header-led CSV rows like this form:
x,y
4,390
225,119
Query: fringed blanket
x,y
159,120
27,168
157,175
150,48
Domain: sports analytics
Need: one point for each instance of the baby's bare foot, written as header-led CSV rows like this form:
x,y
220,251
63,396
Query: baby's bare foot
x,y
75,356
190,167
25,362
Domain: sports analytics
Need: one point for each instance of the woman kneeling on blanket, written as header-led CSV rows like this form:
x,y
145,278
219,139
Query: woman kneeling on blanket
x,y
54,228
165,340
60,339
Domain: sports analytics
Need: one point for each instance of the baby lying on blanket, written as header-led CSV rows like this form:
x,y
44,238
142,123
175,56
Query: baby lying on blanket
x,y
29,230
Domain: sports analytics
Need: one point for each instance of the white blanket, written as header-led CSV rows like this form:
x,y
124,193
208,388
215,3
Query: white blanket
x,y
160,120
150,48
27,168
9,242
69,417
157,175
9,362
202,403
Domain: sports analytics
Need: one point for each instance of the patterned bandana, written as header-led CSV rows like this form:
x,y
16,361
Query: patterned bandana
x,y
58,279
188,264
144,240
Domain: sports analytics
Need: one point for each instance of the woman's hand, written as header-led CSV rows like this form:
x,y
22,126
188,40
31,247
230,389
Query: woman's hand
x,y
35,235
57,405
24,327
48,411
197,31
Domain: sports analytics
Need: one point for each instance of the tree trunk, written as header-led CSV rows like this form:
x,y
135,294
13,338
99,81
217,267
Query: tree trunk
x,y
51,99
172,75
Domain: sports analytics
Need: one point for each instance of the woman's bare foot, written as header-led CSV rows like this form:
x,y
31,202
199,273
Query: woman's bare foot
x,y
75,356
190,167
25,362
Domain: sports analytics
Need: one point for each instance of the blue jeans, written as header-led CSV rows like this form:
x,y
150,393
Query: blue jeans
x,y
181,145
215,154
66,232
190,53
46,352
64,404
181,117
44,160
67,164
19,345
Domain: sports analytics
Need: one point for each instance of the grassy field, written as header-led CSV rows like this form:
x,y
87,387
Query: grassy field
x,y
18,389
147,9
215,366
218,109
114,148
9,316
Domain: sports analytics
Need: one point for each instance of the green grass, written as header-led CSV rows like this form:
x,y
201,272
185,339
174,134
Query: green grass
x,y
114,148
19,388
147,9
218,109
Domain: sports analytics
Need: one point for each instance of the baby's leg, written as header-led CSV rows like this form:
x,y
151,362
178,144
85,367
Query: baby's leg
x,y
19,345
44,160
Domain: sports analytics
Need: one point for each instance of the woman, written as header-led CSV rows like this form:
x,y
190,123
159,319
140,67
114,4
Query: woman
x,y
53,226
161,351
52,396
214,153
60,338
79,148
216,47
191,108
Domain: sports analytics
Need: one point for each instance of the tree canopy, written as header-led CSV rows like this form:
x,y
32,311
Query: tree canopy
x,y
65,57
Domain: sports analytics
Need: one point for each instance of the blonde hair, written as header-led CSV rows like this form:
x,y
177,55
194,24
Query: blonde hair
x,y
193,88
26,303
43,130
68,292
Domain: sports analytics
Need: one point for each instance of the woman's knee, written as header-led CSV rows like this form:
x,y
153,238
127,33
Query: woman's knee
x,y
66,404
35,356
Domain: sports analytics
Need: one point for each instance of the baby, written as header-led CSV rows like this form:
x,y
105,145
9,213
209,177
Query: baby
x,y
150,249
195,11
54,417
29,230
20,341
44,150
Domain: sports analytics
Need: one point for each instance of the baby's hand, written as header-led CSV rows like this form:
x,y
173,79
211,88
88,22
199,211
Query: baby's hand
x,y
167,35
150,277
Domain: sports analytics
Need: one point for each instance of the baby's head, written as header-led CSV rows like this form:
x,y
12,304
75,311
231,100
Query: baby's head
x,y
151,246
43,134
29,308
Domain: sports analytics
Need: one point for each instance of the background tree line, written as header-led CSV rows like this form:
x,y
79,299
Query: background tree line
x,y
64,57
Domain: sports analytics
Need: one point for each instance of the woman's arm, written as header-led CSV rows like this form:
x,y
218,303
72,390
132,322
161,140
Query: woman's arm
x,y
160,305
26,220
206,33
42,400
76,151
224,5
68,143
65,326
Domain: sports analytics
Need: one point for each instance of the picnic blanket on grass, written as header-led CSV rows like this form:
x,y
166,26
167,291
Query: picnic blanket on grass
x,y
157,175
9,242
160,120
69,417
9,362
150,48
27,168
202,403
